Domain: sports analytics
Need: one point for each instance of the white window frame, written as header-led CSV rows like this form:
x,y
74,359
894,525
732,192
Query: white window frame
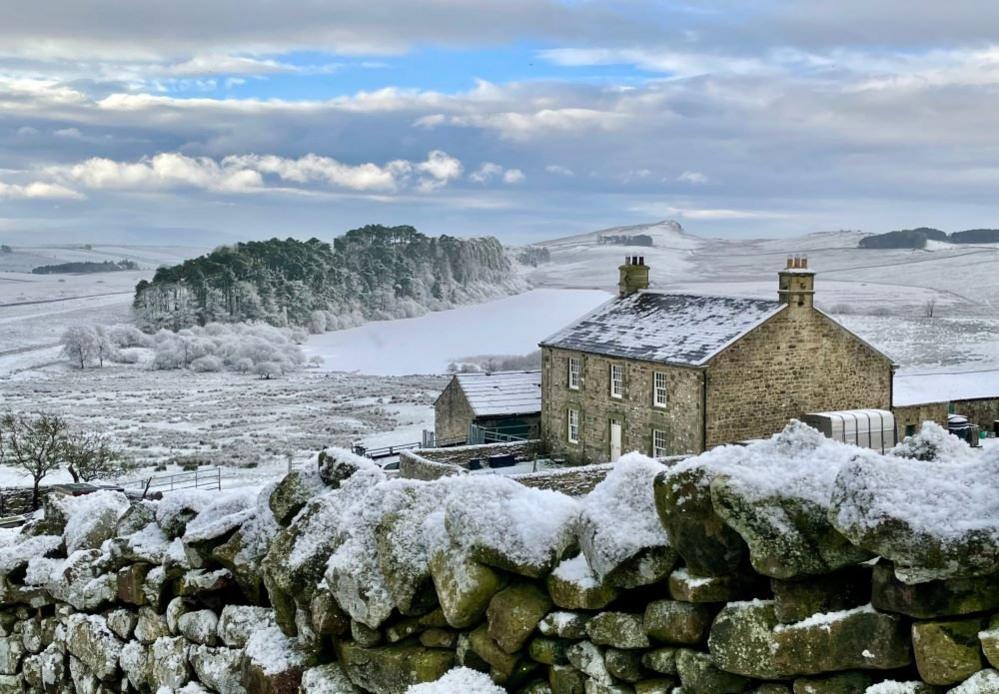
x,y
617,392
575,372
572,425
659,447
660,387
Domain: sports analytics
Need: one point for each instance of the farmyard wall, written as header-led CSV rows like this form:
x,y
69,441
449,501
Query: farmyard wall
x,y
746,569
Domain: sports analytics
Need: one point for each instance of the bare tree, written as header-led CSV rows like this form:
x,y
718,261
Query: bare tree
x,y
929,307
103,347
79,343
91,456
35,444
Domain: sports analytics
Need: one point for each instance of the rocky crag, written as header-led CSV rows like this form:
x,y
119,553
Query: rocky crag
x,y
792,565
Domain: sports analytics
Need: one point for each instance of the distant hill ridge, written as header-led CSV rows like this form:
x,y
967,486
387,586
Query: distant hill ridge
x,y
917,238
371,273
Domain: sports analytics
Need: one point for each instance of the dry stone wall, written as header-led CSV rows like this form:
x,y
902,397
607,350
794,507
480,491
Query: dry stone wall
x,y
795,565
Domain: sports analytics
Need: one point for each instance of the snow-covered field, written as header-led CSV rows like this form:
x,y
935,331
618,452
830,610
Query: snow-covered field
x,y
512,325
243,423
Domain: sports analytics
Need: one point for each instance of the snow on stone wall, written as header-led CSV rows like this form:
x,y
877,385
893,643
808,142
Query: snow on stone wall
x,y
792,565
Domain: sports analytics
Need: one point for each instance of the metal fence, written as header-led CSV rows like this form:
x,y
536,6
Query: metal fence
x,y
195,479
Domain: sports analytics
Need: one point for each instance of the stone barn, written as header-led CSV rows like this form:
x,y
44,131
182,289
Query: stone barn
x,y
486,407
919,397
669,374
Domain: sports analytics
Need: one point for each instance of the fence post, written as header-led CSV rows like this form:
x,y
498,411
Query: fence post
x,y
195,478
218,475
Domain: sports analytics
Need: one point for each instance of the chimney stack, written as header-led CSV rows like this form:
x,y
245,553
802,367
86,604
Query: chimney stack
x,y
634,275
796,283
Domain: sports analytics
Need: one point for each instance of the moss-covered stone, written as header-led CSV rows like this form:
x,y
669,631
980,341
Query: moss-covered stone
x,y
943,598
682,623
698,673
649,566
435,637
392,669
292,493
624,665
843,683
564,625
574,586
588,658
708,546
464,586
947,652
747,639
660,685
565,679
661,660
548,651
618,629
327,617
686,587
130,581
787,536
499,660
859,639
840,590
514,612
989,639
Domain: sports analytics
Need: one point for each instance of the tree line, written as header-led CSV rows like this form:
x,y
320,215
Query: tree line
x,y
371,273
85,267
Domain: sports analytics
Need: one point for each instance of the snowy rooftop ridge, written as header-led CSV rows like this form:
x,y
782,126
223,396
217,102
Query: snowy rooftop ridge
x,y
685,329
502,392
923,388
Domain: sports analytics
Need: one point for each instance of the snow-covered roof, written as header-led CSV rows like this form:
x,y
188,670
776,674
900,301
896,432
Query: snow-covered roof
x,y
922,388
680,329
502,393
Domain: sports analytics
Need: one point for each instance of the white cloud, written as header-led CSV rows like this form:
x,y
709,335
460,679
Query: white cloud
x,y
706,214
240,65
513,176
251,173
441,168
490,170
694,177
73,133
26,131
559,170
38,190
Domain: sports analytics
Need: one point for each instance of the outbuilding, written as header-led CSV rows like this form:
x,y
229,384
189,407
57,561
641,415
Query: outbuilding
x,y
488,407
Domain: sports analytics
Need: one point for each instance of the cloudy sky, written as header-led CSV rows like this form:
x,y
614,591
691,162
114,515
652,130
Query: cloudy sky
x,y
526,119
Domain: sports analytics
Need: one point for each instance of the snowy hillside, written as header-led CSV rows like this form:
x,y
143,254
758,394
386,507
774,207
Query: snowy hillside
x,y
885,295
25,258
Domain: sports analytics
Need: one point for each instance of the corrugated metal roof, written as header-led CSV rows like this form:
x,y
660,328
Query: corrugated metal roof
x,y
502,393
680,329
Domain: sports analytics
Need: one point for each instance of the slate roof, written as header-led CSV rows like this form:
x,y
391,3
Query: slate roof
x,y
503,393
681,329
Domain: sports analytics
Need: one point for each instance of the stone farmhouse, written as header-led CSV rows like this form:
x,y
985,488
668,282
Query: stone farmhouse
x,y
670,374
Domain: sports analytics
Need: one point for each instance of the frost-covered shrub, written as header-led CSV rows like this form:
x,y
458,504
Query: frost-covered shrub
x,y
123,336
317,322
169,355
126,356
208,363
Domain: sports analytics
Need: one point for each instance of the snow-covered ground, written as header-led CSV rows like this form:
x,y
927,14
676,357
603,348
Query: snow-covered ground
x,y
512,325
246,425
